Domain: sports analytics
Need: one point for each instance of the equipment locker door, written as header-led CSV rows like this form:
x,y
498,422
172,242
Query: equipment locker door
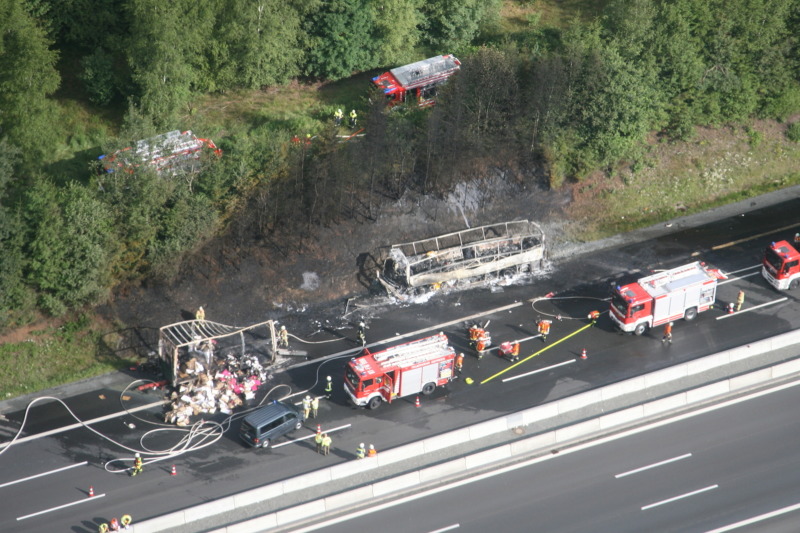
x,y
411,382
430,374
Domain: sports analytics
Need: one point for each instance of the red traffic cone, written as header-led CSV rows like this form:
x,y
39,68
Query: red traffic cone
x,y
549,294
319,429
583,353
174,472
416,404
91,491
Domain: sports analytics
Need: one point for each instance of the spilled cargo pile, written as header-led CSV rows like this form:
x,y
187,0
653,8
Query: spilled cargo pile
x,y
221,384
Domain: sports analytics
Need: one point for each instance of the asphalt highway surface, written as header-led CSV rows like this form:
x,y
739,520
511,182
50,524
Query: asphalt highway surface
x,y
727,468
46,476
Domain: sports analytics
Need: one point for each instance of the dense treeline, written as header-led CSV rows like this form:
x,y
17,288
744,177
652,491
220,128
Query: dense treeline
x,y
570,100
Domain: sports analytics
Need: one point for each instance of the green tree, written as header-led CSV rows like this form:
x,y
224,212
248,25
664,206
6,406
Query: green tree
x,y
70,245
27,77
452,24
166,54
340,39
397,30
258,43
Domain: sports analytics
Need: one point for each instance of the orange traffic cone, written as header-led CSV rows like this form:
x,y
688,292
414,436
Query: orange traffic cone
x,y
583,354
174,472
416,404
91,491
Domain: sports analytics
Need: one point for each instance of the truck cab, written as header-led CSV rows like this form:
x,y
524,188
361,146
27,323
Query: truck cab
x,y
632,308
781,265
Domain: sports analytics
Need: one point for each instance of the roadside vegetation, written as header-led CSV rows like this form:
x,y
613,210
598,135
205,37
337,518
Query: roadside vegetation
x,y
646,109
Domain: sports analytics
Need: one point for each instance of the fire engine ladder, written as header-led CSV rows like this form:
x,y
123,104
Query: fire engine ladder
x,y
406,354
670,276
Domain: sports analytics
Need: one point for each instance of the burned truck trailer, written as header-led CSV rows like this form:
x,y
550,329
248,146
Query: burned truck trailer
x,y
464,257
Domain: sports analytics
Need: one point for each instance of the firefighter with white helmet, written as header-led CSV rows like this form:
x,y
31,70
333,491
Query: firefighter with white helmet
x,y
361,452
284,337
307,406
338,116
137,464
362,333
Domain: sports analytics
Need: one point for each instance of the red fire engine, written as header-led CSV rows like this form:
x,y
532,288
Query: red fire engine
x,y
681,292
420,79
170,152
414,367
781,265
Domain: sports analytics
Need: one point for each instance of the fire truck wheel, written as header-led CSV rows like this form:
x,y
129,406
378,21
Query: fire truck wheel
x,y
428,388
374,402
640,329
794,284
690,314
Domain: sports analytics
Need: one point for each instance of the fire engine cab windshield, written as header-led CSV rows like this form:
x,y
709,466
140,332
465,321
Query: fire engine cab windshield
x,y
774,259
352,377
620,304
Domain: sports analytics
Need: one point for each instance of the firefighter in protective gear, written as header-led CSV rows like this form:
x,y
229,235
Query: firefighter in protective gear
x,y
361,452
482,344
667,338
307,406
459,362
362,333
284,337
515,351
372,452
328,387
200,314
113,525
137,464
338,116
126,521
593,316
314,407
326,444
318,440
543,327
474,332
739,301
353,118
103,528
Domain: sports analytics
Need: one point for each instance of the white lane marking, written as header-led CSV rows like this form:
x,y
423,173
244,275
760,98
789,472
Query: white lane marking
x,y
759,518
654,465
96,496
773,302
43,474
730,280
87,423
448,528
540,370
547,457
743,269
311,436
682,496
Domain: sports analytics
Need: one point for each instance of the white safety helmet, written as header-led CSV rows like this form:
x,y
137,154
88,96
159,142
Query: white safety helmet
x,y
361,324
670,323
308,397
137,454
371,447
328,378
283,327
361,445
